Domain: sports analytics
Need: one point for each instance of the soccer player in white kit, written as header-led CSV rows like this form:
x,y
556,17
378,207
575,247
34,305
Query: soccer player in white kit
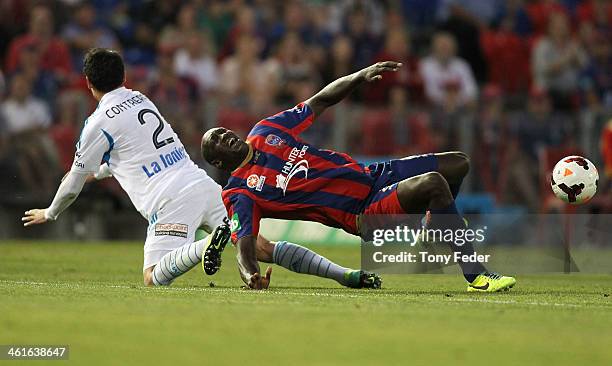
x,y
139,148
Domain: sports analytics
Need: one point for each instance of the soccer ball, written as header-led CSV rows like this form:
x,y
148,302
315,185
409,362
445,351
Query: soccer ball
x,y
574,180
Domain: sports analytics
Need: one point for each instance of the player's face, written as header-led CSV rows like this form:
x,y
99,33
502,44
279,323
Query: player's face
x,y
224,145
225,140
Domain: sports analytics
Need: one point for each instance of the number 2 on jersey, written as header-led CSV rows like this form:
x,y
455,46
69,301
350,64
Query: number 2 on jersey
x,y
158,144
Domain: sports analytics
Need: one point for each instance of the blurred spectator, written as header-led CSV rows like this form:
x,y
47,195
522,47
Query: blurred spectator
x,y
465,20
196,61
83,33
340,63
397,48
540,126
245,25
373,12
174,36
556,62
44,83
320,32
54,55
596,77
175,96
23,112
64,133
480,13
513,17
507,56
244,74
597,12
215,18
294,20
491,140
321,38
294,67
177,99
13,19
445,75
120,21
537,128
541,11
365,43
26,119
410,131
156,14
420,14
143,22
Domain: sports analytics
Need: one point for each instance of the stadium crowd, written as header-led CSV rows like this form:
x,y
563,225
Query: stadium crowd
x,y
514,83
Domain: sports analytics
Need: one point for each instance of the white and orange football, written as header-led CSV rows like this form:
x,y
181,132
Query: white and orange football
x,y
574,180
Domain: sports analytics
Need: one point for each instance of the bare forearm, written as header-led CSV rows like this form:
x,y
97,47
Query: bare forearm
x,y
342,87
339,89
247,258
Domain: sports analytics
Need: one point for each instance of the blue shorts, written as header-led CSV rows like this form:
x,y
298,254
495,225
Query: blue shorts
x,y
383,198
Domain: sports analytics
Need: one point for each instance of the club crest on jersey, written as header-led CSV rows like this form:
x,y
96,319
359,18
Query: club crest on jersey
x,y
235,223
291,168
274,140
256,181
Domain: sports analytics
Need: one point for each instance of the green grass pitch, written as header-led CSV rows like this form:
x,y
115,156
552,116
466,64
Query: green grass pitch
x,y
90,297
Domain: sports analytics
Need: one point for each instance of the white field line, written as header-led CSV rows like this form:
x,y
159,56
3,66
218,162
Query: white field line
x,y
534,303
173,289
293,293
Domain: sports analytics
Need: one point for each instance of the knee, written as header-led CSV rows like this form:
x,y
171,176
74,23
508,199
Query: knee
x,y
147,277
432,180
462,163
434,186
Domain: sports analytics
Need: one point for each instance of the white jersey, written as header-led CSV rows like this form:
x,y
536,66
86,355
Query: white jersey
x,y
127,132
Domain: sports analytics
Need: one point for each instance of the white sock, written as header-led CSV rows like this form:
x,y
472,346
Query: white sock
x,y
177,262
298,259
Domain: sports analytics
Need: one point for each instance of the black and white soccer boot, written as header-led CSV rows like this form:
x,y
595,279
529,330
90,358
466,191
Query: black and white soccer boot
x,y
215,244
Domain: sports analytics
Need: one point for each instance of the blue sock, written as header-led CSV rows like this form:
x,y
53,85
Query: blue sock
x,y
449,218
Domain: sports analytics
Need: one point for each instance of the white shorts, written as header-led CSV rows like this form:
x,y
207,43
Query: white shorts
x,y
176,221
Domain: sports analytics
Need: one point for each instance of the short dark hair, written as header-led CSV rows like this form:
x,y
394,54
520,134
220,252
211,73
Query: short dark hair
x,y
104,68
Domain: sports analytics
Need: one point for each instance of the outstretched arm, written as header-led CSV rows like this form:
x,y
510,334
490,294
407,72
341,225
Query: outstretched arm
x,y
342,87
248,265
93,144
68,191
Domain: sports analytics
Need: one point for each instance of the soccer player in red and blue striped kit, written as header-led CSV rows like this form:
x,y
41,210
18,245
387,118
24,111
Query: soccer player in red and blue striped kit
x,y
275,174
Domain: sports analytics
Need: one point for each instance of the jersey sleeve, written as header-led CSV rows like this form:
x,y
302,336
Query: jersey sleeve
x,y
94,146
295,120
244,216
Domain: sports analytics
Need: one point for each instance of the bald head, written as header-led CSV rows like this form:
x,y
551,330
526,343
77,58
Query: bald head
x,y
223,149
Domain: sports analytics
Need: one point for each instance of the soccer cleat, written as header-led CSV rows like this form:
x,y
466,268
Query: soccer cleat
x,y
491,282
217,240
362,279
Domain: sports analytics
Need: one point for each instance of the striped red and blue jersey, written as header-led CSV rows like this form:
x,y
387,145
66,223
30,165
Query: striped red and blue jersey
x,y
287,178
